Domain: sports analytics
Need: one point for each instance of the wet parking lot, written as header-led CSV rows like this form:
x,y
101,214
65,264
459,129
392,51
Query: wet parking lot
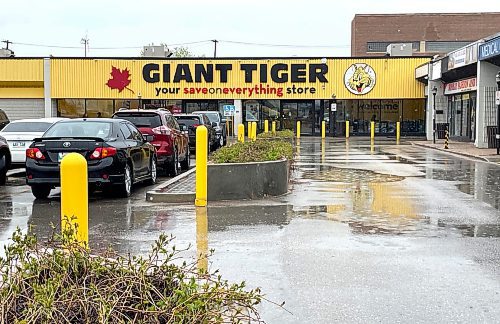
x,y
369,233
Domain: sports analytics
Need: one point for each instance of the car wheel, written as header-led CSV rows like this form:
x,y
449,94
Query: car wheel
x,y
40,191
221,141
173,167
126,187
153,170
186,163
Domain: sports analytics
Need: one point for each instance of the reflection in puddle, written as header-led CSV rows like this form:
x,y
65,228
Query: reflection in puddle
x,y
333,174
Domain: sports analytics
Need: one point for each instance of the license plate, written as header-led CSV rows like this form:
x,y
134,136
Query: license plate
x,y
60,155
18,144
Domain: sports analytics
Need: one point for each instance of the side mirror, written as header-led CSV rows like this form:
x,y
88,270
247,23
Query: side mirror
x,y
148,138
214,124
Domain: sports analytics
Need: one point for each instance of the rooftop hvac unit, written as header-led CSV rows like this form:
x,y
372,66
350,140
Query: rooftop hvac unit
x,y
400,49
6,52
156,51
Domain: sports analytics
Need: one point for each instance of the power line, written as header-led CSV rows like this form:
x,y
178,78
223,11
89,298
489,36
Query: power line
x,y
101,48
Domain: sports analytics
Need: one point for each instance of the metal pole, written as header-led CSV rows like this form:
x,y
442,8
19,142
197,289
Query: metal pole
x,y
498,128
434,118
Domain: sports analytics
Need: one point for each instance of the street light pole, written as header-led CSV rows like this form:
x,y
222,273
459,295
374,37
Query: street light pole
x,y
434,91
334,101
498,112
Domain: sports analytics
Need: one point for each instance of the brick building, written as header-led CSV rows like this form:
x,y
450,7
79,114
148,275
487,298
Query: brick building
x,y
428,33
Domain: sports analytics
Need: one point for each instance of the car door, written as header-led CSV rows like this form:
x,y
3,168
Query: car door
x,y
133,151
211,130
142,151
174,128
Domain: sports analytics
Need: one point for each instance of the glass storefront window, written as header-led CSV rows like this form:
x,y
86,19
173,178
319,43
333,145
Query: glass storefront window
x,y
99,108
71,108
127,104
390,113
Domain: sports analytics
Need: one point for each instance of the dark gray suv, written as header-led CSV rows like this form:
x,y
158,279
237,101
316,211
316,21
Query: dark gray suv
x,y
220,129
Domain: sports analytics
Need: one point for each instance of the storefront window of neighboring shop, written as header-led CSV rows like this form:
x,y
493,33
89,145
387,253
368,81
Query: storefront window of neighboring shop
x,y
390,113
71,108
413,116
99,108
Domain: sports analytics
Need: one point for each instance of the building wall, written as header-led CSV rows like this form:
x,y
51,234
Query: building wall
x,y
420,28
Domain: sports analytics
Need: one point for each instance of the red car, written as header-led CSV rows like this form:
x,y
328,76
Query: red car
x,y
171,143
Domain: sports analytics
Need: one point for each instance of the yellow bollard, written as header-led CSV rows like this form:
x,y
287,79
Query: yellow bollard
x,y
249,131
273,127
201,166
398,131
372,130
323,129
372,147
254,131
298,128
241,133
346,129
266,126
202,238
74,197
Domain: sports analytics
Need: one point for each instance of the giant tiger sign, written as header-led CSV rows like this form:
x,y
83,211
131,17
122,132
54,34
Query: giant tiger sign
x,y
256,77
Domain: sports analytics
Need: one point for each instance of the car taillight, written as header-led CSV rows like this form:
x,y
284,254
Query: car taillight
x,y
102,152
162,130
35,154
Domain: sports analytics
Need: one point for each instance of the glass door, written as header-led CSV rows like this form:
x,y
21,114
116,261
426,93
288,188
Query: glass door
x,y
306,116
288,115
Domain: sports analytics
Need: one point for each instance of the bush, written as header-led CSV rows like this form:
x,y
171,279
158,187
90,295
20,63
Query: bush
x,y
62,282
258,151
284,134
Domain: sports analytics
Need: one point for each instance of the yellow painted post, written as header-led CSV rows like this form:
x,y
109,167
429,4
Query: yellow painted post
x,y
266,126
74,197
254,131
241,133
372,130
273,127
398,131
323,129
298,128
201,166
202,238
346,129
249,131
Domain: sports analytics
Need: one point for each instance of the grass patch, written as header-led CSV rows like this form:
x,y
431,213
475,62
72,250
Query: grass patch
x,y
61,282
258,151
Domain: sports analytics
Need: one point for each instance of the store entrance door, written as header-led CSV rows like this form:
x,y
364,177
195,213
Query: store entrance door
x,y
293,111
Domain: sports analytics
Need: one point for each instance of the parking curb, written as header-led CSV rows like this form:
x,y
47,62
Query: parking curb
x,y
471,156
157,194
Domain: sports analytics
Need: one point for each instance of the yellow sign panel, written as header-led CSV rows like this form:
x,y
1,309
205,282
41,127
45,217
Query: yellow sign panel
x,y
346,78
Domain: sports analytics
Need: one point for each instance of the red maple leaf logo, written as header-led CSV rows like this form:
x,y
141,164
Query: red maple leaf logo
x,y
119,79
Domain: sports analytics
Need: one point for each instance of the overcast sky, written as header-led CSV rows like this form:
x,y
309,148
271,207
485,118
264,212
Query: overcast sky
x,y
133,23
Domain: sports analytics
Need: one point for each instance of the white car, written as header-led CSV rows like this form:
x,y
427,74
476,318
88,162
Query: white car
x,y
20,134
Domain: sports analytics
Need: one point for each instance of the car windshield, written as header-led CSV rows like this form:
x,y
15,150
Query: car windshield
x,y
80,129
141,119
188,120
26,127
213,117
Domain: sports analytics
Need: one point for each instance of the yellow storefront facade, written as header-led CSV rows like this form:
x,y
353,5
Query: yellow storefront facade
x,y
360,90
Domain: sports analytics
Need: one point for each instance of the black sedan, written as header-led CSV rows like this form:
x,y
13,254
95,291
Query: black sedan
x,y
5,159
116,152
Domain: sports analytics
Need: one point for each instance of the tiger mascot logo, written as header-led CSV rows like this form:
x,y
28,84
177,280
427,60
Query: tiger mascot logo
x,y
360,78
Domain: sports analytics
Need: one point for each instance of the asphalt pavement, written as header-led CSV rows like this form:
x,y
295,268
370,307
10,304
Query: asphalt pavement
x,y
379,233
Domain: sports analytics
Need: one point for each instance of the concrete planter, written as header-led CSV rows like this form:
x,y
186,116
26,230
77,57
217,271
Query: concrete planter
x,y
234,181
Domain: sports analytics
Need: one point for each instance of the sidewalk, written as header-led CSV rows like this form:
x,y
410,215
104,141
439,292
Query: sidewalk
x,y
464,149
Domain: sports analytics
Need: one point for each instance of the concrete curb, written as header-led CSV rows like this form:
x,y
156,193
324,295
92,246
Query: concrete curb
x,y
452,152
156,195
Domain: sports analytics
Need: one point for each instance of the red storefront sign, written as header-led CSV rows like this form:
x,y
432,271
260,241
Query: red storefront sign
x,y
465,85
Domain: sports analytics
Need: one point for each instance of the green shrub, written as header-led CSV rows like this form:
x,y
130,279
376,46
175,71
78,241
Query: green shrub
x,y
258,151
62,282
283,134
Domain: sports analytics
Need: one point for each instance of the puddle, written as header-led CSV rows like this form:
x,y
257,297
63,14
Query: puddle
x,y
332,174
